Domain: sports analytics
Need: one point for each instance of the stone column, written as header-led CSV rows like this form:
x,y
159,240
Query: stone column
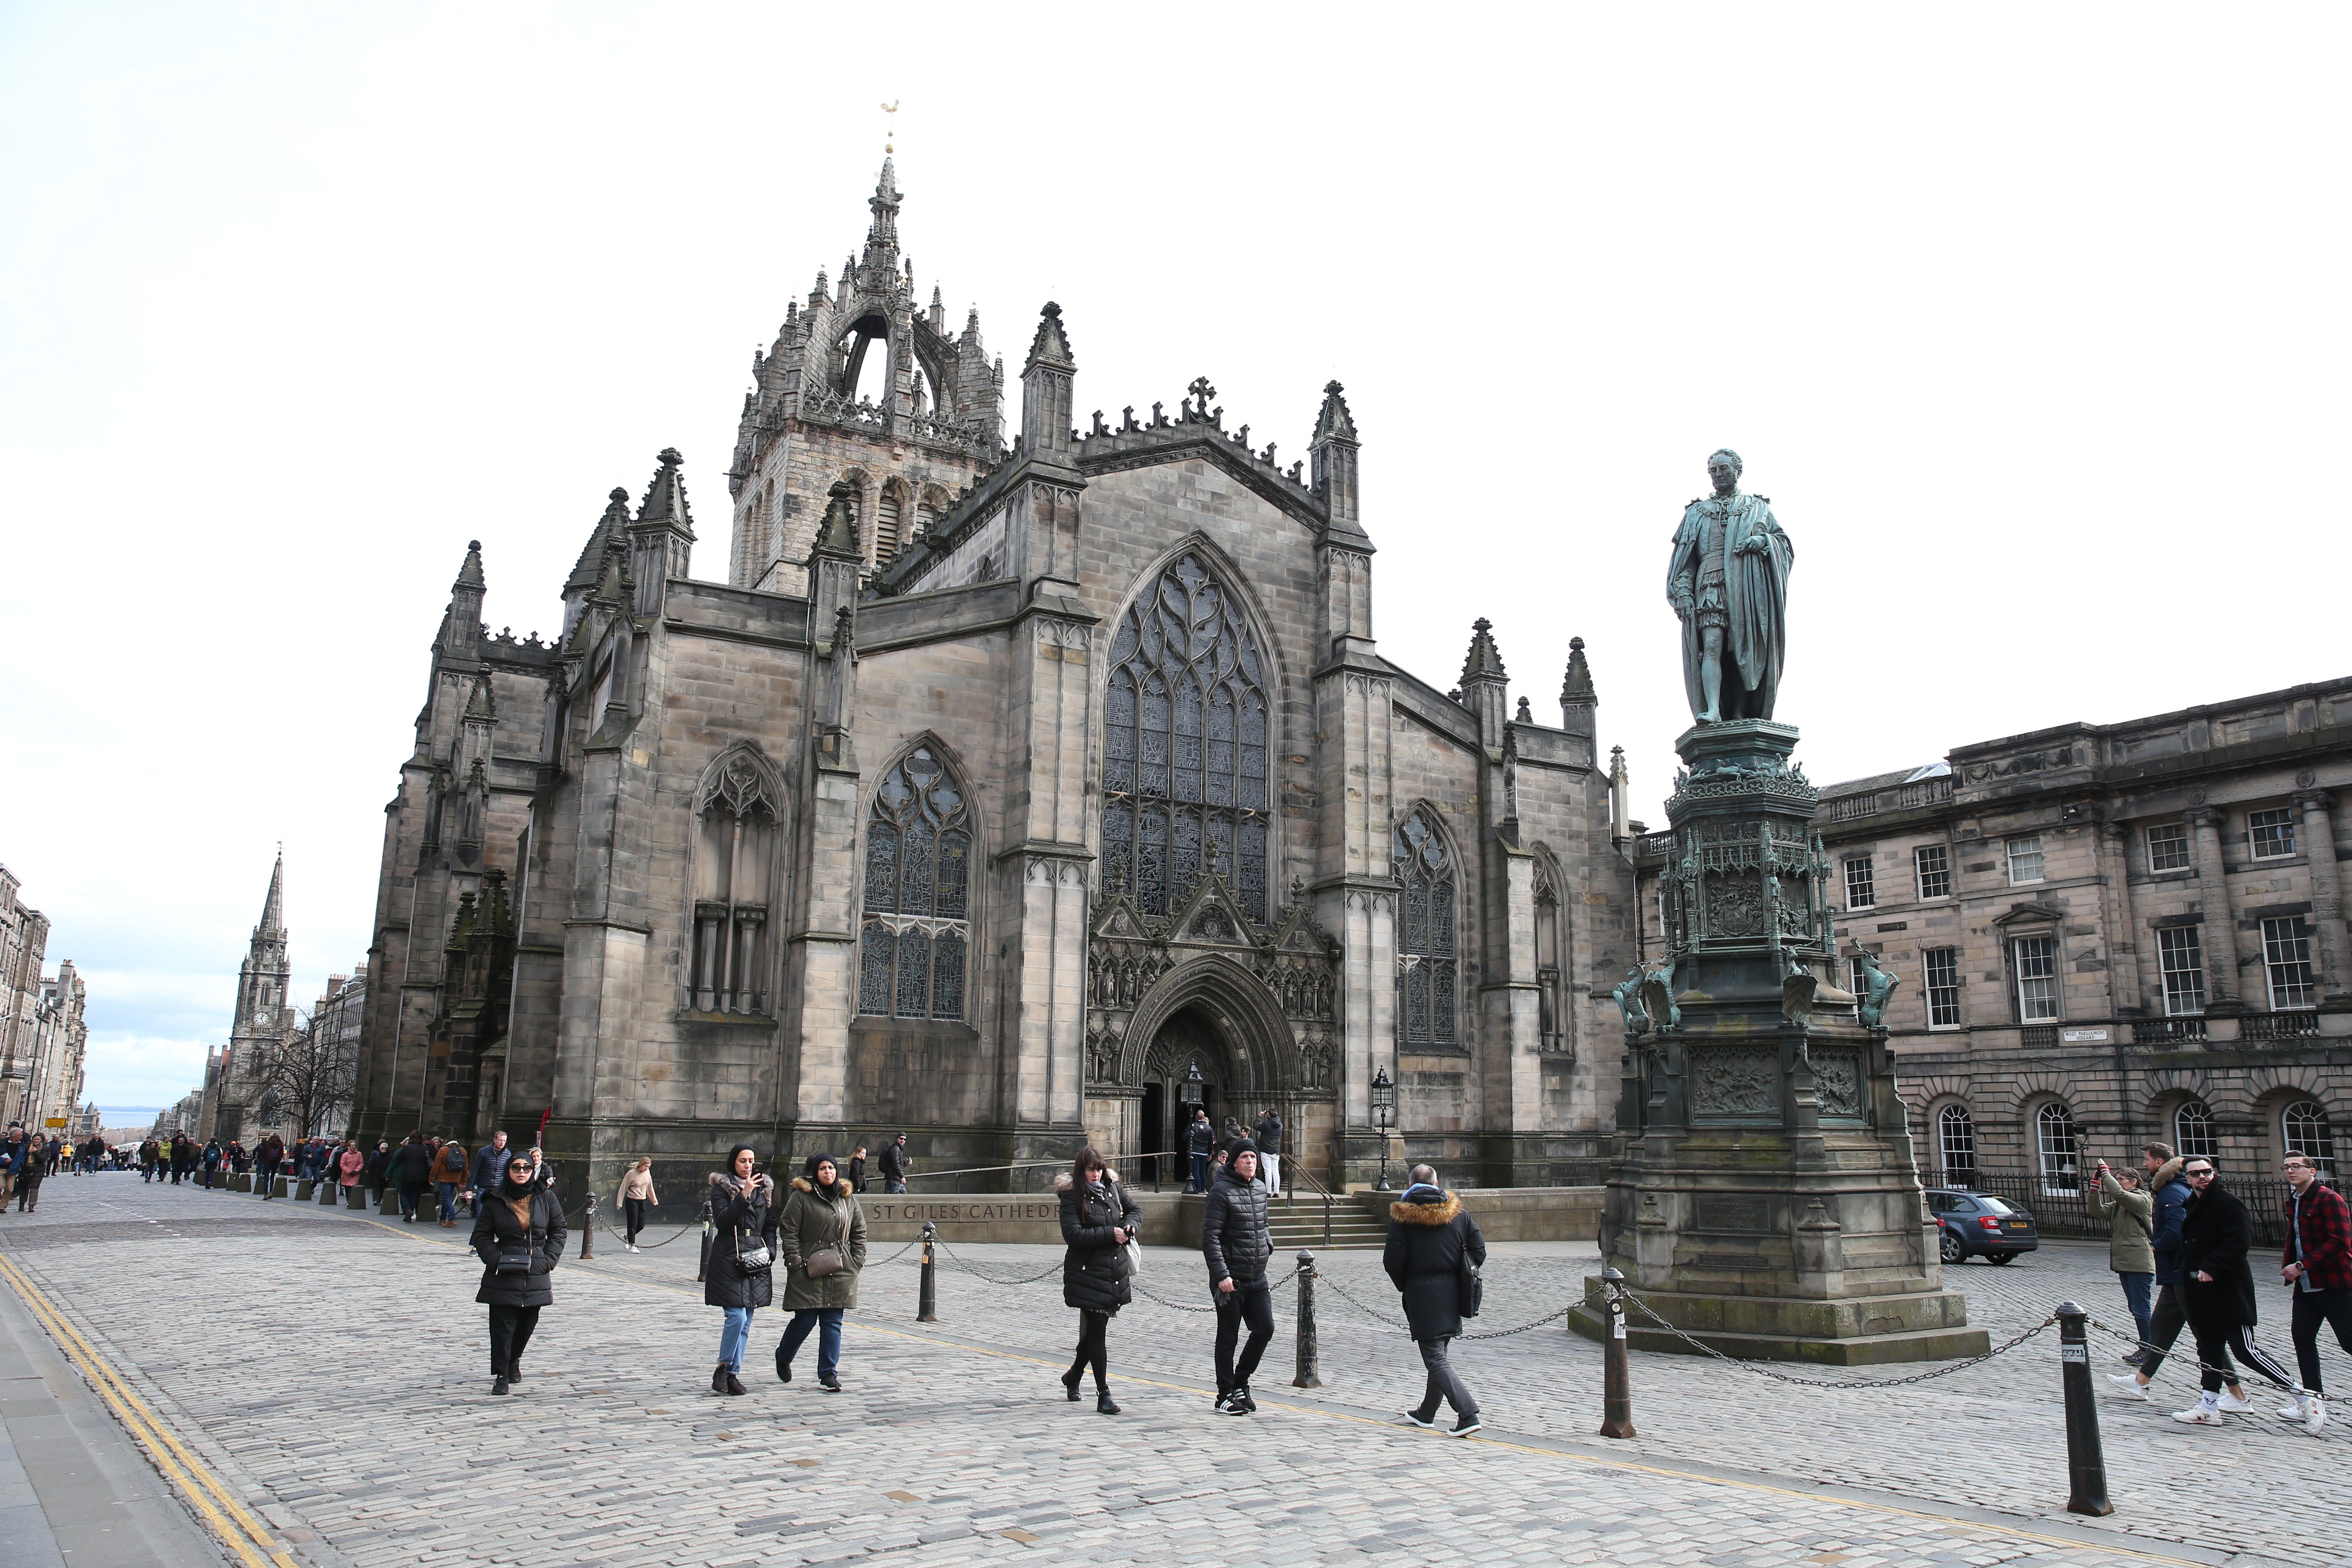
x,y
2127,987
2326,896
2213,899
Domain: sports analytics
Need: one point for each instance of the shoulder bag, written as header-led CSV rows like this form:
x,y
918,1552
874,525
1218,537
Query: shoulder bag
x,y
514,1256
1469,1288
827,1261
751,1254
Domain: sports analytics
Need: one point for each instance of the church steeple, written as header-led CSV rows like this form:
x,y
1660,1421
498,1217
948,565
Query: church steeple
x,y
882,235
273,908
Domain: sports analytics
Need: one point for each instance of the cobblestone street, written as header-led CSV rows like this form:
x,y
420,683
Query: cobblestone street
x,y
331,1369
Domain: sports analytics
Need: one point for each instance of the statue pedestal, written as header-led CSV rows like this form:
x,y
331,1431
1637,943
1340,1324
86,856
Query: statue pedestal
x,y
1763,1197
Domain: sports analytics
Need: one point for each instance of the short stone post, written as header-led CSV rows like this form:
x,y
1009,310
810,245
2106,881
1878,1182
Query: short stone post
x,y
588,1232
702,1270
927,1298
1308,1372
2086,1465
1617,1382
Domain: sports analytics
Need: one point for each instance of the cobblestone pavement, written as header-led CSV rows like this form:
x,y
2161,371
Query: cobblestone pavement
x,y
952,1444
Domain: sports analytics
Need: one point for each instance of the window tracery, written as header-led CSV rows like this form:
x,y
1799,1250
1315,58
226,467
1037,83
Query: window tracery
x,y
1185,745
1425,940
736,822
918,926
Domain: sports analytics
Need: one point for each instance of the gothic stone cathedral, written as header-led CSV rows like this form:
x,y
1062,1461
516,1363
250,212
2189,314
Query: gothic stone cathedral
x,y
994,791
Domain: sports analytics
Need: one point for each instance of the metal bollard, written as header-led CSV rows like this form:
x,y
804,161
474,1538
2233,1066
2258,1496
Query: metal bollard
x,y
1617,1382
702,1269
588,1232
927,1298
1307,1373
2086,1466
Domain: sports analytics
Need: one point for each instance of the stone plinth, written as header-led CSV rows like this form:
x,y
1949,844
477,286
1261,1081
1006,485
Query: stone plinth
x,y
1763,1196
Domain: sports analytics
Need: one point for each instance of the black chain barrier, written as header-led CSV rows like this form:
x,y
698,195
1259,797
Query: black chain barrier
x,y
1762,1370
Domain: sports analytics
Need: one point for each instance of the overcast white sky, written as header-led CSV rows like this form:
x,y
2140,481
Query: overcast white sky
x,y
2030,320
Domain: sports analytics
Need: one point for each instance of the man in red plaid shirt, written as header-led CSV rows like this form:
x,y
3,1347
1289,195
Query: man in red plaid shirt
x,y
2317,1266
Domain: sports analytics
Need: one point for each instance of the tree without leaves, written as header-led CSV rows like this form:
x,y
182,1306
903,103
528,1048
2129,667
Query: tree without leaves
x,y
312,1074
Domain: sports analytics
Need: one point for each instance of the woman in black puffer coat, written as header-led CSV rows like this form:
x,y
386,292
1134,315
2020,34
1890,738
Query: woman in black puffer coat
x,y
518,1216
1098,1219
742,1214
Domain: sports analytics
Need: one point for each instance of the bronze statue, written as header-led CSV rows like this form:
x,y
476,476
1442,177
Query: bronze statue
x,y
1729,581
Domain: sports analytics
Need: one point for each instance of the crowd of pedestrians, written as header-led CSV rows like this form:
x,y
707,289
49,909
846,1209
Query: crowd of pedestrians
x,y
2187,1235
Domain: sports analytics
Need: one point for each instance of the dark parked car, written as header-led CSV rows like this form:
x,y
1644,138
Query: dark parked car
x,y
1977,1225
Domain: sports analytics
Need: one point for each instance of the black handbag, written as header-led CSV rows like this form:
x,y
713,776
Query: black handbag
x,y
1469,1288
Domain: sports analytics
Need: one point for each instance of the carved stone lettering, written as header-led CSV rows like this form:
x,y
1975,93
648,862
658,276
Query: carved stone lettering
x,y
1735,1211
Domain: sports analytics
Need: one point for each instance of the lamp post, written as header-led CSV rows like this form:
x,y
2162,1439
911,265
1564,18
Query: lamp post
x,y
1192,1101
1383,1117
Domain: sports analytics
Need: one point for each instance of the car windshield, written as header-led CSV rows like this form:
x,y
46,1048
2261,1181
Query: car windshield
x,y
1993,1205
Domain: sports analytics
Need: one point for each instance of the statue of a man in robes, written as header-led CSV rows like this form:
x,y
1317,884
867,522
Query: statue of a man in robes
x,y
1729,581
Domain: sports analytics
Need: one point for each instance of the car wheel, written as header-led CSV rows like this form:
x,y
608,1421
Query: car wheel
x,y
1951,1248
2002,1256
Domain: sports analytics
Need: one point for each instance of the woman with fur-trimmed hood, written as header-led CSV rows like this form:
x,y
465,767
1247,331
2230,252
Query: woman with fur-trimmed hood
x,y
1099,1217
744,1217
823,1237
1429,1237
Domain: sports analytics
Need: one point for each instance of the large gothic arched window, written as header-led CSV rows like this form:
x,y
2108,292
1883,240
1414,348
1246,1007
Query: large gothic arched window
x,y
734,863
1185,745
917,906
1425,948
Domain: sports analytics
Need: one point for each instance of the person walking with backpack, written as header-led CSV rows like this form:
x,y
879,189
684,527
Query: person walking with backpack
x,y
742,1256
894,1164
1235,1242
823,1237
1098,1219
1429,1241
2130,1215
519,1234
2317,1266
636,1193
2219,1294
450,1168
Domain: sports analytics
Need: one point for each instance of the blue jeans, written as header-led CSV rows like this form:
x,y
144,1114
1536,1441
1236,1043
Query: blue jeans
x,y
448,1199
734,1337
828,1343
1200,1172
2138,1290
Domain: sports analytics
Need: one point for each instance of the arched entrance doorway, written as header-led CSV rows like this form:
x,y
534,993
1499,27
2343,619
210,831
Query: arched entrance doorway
x,y
1190,1039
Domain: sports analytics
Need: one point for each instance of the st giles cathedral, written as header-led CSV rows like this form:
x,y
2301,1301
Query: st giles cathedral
x,y
1014,794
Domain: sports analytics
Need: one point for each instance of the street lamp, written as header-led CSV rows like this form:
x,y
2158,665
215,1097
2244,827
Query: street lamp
x,y
1194,1100
1383,1117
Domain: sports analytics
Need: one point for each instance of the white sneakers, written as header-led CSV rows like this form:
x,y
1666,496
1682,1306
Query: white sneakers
x,y
2230,1403
628,1246
2309,1409
2129,1385
2201,1414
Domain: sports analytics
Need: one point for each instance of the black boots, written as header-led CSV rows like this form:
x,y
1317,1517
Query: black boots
x,y
1070,1383
719,1379
1103,1404
514,1369
499,1386
735,1384
783,1366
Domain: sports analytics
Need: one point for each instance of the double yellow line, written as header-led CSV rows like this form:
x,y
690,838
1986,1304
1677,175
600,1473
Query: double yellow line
x,y
243,1534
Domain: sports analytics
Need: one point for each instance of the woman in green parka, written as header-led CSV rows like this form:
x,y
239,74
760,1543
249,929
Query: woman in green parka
x,y
822,1249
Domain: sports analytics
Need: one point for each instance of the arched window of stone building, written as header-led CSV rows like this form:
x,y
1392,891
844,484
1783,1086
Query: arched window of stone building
x,y
2053,1132
1185,745
887,515
1551,1013
2192,1130
765,528
2303,1130
735,829
1425,943
917,924
1956,1145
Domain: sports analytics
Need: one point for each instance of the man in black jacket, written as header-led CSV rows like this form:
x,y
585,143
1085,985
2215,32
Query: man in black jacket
x,y
1429,1237
893,1164
2217,1287
1236,1241
1199,1140
1269,1149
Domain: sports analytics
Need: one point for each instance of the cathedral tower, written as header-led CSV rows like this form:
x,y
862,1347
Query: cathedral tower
x,y
861,386
263,1011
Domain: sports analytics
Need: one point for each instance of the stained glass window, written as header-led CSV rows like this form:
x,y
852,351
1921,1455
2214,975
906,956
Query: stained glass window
x,y
917,873
1185,731
1426,947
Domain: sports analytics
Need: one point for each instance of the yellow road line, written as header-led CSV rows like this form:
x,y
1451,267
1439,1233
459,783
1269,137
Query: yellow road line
x,y
211,1497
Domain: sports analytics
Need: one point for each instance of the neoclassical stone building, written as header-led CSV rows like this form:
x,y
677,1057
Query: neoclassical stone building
x,y
2109,934
998,790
